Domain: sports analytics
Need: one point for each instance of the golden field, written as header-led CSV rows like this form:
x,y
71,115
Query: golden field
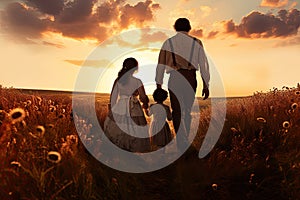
x,y
42,157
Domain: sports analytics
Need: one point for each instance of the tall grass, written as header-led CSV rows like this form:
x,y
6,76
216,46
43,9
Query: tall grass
x,y
257,156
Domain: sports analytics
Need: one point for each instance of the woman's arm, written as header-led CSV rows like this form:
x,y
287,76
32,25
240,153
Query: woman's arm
x,y
143,97
169,114
114,94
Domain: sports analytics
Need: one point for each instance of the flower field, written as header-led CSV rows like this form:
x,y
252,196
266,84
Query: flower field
x,y
42,156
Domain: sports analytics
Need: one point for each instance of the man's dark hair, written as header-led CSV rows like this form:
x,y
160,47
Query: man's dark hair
x,y
182,24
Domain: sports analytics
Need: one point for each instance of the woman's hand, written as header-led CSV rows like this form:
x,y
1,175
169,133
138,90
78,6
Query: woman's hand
x,y
146,112
145,106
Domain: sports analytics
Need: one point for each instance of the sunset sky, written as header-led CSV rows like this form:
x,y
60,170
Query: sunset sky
x,y
254,44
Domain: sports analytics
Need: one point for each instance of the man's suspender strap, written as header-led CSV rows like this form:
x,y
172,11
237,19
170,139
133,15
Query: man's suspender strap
x,y
173,54
191,55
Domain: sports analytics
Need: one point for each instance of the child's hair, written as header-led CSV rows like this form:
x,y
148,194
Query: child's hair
x,y
128,64
160,95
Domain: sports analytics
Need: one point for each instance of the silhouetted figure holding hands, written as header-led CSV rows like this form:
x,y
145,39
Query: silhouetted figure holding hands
x,y
160,131
181,56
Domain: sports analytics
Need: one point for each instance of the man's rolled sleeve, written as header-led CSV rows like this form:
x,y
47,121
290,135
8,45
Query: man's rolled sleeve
x,y
204,67
160,69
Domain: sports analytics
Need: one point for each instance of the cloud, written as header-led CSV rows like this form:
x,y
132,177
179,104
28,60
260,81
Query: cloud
x,y
259,25
212,34
108,11
290,42
148,37
205,10
137,14
274,3
76,11
197,32
142,38
51,7
22,23
89,63
78,19
60,46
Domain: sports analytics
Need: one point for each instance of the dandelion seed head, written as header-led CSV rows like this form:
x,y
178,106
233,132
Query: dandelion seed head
x,y
28,102
16,163
72,139
214,186
286,125
17,115
24,123
54,157
115,181
234,130
261,119
52,108
294,106
50,126
40,129
32,135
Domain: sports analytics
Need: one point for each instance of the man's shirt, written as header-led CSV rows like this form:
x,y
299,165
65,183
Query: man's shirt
x,y
186,50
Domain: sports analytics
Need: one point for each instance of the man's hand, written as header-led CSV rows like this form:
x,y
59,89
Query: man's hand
x,y
205,93
158,85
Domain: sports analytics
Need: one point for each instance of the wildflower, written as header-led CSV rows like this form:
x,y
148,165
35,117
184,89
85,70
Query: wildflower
x,y
214,186
115,181
72,139
251,178
261,119
40,130
40,100
294,106
17,115
16,163
50,126
32,135
286,124
24,123
234,130
52,108
28,102
54,157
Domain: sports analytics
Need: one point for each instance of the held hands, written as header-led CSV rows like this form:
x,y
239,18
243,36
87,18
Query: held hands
x,y
146,112
205,93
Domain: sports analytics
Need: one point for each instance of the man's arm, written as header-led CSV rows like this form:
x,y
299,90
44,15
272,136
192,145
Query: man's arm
x,y
204,71
161,66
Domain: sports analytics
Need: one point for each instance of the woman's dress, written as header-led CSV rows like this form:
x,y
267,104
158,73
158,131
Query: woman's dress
x,y
126,119
159,128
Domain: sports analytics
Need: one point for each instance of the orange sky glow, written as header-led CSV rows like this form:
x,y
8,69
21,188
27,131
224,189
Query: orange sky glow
x,y
252,45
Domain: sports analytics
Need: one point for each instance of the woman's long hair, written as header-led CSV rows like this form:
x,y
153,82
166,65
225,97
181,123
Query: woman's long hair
x,y
128,64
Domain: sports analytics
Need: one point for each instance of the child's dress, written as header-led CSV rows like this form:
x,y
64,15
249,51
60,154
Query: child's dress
x,y
127,115
159,128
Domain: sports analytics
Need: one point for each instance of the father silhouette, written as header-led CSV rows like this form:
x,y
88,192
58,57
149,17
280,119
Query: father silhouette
x,y
181,56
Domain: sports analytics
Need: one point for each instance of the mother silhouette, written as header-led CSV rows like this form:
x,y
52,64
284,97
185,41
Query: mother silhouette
x,y
126,121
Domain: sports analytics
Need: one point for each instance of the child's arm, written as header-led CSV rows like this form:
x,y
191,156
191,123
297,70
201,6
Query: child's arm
x,y
169,114
147,112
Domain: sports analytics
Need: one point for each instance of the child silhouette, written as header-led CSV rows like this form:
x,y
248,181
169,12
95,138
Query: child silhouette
x,y
160,132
